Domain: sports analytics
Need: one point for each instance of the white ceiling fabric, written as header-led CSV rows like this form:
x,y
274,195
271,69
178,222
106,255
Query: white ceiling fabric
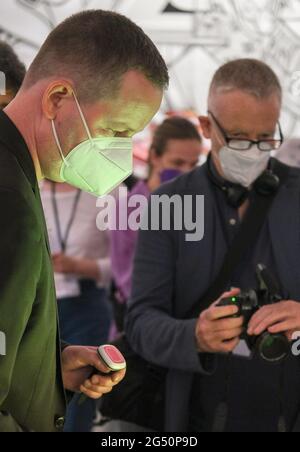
x,y
195,37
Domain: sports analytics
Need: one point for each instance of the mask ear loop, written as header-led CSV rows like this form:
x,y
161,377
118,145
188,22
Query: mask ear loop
x,y
89,133
85,126
58,143
63,157
83,119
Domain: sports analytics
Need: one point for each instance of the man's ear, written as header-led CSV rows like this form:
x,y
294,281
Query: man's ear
x,y
206,126
54,97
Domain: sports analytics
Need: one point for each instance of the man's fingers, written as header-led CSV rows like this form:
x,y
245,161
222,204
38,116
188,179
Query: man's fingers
x,y
98,389
99,380
216,313
229,334
257,323
98,384
96,362
228,347
231,293
92,348
224,343
259,316
268,321
110,380
117,377
284,327
285,313
95,394
281,311
227,324
218,324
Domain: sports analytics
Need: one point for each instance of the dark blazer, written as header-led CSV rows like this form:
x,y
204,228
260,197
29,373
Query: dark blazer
x,y
31,391
171,274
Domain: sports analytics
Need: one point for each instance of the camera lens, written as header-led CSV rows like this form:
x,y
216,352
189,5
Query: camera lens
x,y
273,347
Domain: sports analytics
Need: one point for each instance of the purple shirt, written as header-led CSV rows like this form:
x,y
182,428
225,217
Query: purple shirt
x,y
123,245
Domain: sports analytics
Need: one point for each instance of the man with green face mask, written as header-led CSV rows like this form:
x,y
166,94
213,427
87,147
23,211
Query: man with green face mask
x,y
88,91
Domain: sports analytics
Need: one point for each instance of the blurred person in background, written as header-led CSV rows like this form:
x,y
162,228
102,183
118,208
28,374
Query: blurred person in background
x,y
82,269
14,72
176,149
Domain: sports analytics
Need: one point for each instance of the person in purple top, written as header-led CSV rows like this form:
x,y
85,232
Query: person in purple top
x,y
175,149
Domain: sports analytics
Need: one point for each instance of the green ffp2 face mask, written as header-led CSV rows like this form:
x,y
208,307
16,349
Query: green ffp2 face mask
x,y
97,165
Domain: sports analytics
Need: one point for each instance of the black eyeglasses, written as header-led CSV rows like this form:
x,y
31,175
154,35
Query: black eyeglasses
x,y
240,144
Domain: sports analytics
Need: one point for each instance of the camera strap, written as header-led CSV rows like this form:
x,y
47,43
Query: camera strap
x,y
244,240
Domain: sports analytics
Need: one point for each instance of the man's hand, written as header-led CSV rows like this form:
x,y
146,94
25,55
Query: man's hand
x,y
214,332
283,317
64,264
78,363
86,268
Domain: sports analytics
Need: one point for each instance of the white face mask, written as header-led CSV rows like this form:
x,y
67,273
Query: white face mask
x,y
98,165
243,167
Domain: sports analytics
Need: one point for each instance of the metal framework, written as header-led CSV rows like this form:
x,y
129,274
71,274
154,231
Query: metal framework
x,y
266,29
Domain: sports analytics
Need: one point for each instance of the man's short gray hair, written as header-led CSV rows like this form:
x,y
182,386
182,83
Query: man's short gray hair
x,y
249,75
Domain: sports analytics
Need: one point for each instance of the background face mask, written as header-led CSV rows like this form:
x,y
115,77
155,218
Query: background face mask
x,y
243,167
168,175
97,165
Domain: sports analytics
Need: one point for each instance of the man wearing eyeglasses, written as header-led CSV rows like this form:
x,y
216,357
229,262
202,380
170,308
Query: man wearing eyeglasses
x,y
227,393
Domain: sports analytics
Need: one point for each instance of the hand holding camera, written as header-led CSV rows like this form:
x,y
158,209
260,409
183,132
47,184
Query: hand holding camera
x,y
219,329
284,317
254,306
259,317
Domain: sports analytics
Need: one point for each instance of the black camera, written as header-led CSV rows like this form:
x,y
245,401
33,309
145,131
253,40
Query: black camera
x,y
270,347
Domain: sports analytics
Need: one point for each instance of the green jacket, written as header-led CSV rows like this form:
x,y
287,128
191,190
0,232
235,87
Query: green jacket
x,y
32,397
